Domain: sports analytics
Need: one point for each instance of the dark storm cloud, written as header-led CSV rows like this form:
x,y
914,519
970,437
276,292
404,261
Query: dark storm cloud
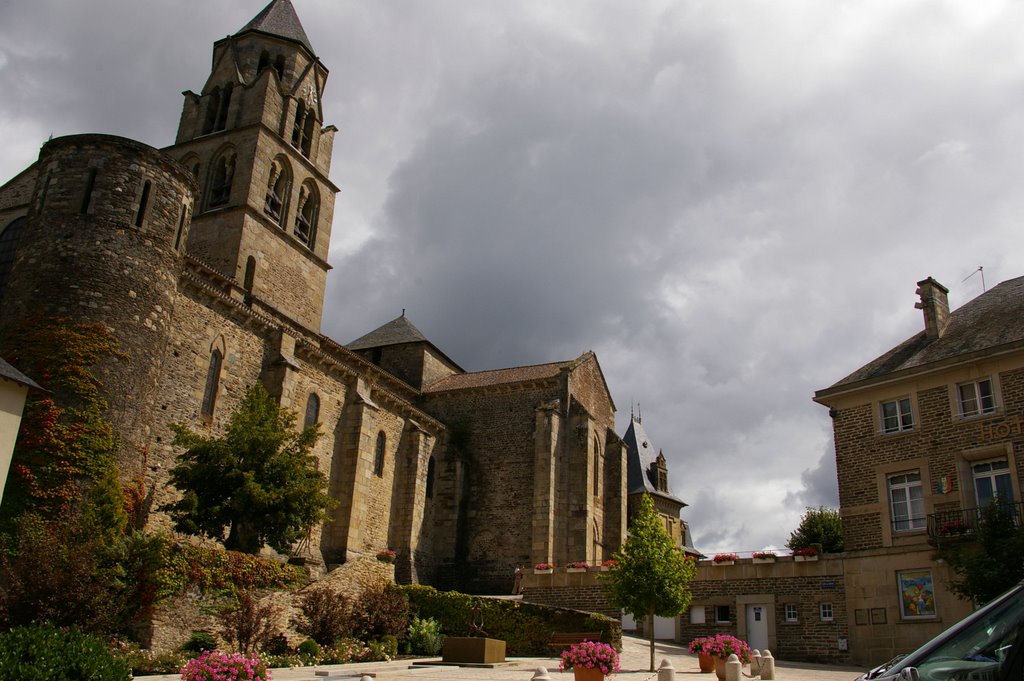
x,y
729,202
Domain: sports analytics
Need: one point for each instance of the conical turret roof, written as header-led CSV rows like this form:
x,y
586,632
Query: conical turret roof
x,y
279,18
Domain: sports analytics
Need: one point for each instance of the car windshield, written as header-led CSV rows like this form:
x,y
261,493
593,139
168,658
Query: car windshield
x,y
977,650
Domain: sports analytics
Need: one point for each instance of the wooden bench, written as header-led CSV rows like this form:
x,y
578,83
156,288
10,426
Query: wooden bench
x,y
562,639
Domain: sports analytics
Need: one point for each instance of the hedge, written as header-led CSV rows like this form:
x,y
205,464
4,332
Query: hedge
x,y
525,627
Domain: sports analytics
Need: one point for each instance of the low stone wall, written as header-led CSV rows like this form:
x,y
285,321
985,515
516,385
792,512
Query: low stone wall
x,y
575,590
174,621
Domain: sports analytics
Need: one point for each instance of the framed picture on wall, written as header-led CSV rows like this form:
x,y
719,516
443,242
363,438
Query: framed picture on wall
x,y
917,594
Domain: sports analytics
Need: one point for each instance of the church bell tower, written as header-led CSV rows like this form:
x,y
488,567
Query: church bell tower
x,y
255,141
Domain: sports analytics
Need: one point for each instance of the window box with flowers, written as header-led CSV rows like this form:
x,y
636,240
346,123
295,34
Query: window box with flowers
x,y
608,564
725,559
544,568
386,555
807,554
764,556
577,566
590,660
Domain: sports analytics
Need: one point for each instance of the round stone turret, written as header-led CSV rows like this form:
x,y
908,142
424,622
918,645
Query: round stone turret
x,y
103,242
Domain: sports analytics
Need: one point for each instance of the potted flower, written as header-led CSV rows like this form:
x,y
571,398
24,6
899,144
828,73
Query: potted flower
x,y
386,555
722,646
808,553
699,647
725,558
544,568
764,556
590,660
576,566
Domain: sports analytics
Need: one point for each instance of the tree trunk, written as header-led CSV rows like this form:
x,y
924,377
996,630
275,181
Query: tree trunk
x,y
243,538
650,635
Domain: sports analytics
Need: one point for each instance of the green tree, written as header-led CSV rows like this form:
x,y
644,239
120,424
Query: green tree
x,y
819,528
651,576
991,563
258,480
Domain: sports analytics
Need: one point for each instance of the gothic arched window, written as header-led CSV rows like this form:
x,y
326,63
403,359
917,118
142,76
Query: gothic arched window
x,y
277,191
263,63
250,275
9,239
306,215
210,119
307,132
222,108
140,213
212,383
597,467
222,173
378,461
312,411
430,478
300,119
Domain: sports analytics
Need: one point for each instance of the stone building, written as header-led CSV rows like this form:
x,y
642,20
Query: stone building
x,y
926,435
208,260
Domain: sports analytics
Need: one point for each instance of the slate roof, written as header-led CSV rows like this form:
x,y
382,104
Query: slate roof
x,y
641,458
12,374
397,331
992,322
279,18
481,379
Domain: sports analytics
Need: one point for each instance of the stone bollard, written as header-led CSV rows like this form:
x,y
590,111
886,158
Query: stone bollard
x,y
666,672
365,677
767,666
755,662
540,675
733,668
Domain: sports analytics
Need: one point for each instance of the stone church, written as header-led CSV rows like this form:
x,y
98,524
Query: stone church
x,y
208,259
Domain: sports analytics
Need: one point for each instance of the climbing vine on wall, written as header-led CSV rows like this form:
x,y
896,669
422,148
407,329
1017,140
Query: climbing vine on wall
x,y
65,443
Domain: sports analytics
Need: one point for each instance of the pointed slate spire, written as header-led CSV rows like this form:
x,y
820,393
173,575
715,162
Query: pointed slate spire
x,y
279,18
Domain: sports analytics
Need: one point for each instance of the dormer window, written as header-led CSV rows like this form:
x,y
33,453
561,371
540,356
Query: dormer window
x,y
661,470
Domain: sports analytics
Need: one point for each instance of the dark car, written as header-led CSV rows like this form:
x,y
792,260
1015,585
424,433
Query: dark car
x,y
987,645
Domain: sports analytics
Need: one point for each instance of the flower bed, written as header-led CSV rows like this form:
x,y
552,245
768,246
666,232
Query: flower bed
x,y
214,665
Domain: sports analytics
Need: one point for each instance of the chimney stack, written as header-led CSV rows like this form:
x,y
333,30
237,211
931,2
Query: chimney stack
x,y
935,305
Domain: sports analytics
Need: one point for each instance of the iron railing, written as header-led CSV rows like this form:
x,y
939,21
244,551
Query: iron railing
x,y
964,522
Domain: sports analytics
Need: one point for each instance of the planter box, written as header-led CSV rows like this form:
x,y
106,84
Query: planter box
x,y
465,650
543,572
725,562
575,569
804,559
764,560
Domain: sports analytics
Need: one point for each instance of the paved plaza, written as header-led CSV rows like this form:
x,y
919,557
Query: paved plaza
x,y
635,658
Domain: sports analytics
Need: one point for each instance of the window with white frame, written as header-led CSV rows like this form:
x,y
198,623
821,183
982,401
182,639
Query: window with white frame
x,y
790,612
976,398
992,481
906,502
825,610
897,415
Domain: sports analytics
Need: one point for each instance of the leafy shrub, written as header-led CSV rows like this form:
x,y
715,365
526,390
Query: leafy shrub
x,y
63,572
213,665
382,610
218,571
249,625
199,641
425,636
146,661
326,616
310,651
43,652
525,627
277,645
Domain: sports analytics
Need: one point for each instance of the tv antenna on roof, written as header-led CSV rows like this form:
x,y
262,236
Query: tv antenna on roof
x,y
980,269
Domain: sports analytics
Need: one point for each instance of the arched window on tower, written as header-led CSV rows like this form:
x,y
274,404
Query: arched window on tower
x,y
277,191
597,467
9,239
307,132
306,215
312,411
250,277
90,184
264,62
212,103
300,119
212,383
222,173
140,213
182,216
222,108
378,461
279,66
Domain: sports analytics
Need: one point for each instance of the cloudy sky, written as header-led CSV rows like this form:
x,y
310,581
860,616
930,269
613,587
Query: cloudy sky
x,y
730,202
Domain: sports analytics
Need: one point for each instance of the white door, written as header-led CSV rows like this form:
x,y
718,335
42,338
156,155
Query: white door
x,y
665,628
757,626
